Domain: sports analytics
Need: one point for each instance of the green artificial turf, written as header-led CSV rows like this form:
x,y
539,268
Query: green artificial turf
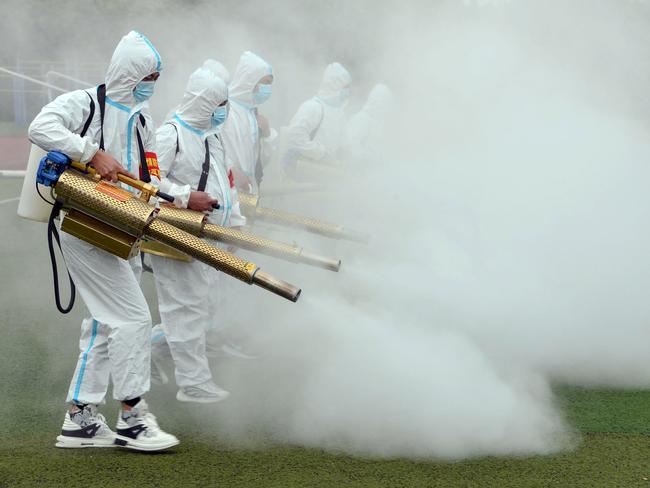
x,y
603,460
37,355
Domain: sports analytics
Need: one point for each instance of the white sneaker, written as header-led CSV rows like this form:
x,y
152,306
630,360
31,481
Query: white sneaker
x,y
207,392
85,428
137,429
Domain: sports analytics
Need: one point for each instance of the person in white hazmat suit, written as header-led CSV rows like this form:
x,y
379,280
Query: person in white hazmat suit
x,y
193,169
317,130
218,343
218,69
247,136
366,134
103,126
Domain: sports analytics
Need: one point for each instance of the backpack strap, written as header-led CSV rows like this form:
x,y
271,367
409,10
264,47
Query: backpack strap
x,y
176,129
144,169
101,98
206,168
90,117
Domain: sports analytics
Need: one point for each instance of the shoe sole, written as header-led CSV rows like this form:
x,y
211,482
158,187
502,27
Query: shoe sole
x,y
182,397
128,443
66,442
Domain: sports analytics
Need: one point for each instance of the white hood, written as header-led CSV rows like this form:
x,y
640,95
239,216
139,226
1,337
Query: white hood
x,y
250,70
134,58
205,91
380,100
218,69
335,78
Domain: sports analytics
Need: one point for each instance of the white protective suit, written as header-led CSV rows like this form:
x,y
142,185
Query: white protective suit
x,y
115,338
241,134
317,130
365,131
185,290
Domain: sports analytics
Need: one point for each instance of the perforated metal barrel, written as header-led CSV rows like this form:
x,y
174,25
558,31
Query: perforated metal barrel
x,y
219,259
187,220
268,247
104,201
249,205
201,250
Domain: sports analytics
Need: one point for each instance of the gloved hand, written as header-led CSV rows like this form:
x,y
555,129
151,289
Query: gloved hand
x,y
108,167
201,201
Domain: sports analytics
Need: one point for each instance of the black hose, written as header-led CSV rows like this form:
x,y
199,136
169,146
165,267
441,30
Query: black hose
x,y
52,231
145,267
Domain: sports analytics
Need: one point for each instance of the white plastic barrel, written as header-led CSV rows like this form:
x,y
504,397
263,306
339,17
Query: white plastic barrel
x,y
31,206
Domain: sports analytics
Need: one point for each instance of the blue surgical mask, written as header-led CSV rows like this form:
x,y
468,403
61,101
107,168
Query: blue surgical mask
x,y
262,94
143,91
219,116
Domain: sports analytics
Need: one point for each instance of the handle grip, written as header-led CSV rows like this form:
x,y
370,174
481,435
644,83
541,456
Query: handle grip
x,y
140,185
165,196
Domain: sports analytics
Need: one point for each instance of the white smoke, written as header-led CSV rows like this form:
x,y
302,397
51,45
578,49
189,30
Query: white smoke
x,y
508,221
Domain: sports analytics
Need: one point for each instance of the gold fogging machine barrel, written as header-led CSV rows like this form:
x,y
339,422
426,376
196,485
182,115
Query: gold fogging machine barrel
x,y
249,205
195,223
115,220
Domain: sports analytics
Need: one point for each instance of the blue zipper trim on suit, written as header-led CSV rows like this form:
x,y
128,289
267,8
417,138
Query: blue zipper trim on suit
x,y
129,129
188,126
129,138
84,361
115,104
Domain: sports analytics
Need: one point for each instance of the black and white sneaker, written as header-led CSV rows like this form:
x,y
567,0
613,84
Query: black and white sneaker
x,y
137,429
85,428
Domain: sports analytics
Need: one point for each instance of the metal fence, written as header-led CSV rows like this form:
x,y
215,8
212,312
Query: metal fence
x,y
27,85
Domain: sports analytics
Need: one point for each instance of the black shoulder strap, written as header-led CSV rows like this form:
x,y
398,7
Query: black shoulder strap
x,y
175,129
52,232
90,117
144,169
101,98
313,133
206,168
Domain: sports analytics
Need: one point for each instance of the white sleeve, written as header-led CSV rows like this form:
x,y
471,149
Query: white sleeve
x,y
57,127
306,120
166,140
